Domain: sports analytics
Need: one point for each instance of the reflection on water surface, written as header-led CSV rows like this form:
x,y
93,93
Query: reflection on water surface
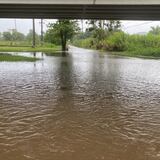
x,y
81,107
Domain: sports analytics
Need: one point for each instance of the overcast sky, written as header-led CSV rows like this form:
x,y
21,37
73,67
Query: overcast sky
x,y
24,25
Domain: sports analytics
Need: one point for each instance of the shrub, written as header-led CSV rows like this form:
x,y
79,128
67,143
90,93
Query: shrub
x,y
84,43
116,42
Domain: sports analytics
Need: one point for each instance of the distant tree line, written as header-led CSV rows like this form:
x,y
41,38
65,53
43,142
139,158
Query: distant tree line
x,y
14,35
99,34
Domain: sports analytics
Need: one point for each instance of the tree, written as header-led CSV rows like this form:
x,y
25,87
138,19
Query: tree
x,y
7,36
64,30
91,25
113,25
155,30
1,36
51,37
29,37
14,35
17,36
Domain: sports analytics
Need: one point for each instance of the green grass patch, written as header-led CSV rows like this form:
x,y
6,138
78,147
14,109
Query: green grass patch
x,y
15,58
15,43
30,49
147,53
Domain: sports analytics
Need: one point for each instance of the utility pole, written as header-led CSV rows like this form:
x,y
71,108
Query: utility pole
x,y
42,32
15,24
34,38
82,25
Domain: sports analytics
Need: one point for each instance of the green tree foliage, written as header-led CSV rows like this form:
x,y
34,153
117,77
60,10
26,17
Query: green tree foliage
x,y
116,42
29,37
155,30
98,36
62,31
113,26
1,36
51,37
110,26
143,41
108,36
91,25
17,36
99,30
14,35
7,36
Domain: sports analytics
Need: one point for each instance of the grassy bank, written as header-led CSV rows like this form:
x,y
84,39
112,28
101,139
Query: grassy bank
x,y
14,58
120,43
129,54
29,49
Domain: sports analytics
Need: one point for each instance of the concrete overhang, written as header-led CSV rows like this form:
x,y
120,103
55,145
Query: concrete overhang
x,y
83,2
82,9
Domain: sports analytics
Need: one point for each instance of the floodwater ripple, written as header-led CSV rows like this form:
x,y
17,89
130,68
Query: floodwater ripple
x,y
86,106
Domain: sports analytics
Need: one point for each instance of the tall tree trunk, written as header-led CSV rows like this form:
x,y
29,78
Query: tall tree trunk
x,y
63,43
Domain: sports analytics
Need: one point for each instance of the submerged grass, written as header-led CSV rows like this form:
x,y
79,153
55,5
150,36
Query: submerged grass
x,y
15,58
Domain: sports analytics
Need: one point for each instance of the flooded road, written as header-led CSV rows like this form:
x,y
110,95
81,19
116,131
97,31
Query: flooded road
x,y
86,106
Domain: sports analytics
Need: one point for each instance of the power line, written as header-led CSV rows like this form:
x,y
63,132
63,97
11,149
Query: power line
x,y
34,38
42,32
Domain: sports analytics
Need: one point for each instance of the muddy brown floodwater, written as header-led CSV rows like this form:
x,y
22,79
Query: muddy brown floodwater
x,y
86,106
